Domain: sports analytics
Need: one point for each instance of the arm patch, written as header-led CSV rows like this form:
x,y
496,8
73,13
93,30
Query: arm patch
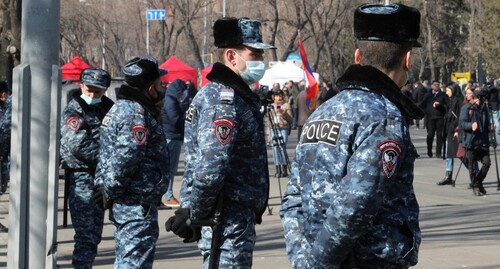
x,y
391,151
224,129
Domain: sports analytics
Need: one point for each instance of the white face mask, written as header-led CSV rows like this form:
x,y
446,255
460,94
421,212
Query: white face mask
x,y
89,100
254,71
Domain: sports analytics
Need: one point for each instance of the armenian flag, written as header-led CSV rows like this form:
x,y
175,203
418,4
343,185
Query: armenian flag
x,y
313,87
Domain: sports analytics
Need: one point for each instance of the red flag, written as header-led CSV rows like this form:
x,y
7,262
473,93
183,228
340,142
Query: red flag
x,y
313,88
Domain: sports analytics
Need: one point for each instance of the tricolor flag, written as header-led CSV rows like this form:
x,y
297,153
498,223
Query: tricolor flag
x,y
313,87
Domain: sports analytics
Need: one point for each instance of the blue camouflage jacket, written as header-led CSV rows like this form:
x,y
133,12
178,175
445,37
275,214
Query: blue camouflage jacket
x,y
350,193
225,149
132,154
80,125
5,126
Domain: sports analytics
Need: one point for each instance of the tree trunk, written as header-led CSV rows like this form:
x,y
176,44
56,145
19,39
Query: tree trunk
x,y
429,41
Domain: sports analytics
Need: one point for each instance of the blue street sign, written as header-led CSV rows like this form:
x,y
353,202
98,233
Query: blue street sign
x,y
155,14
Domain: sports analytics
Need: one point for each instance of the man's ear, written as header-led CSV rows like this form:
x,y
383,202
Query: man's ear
x,y
230,56
407,61
357,56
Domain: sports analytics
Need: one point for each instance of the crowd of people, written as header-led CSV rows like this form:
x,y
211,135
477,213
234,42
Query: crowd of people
x,y
339,208
463,119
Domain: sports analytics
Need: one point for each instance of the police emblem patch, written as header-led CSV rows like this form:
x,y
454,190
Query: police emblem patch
x,y
140,134
73,123
390,156
224,128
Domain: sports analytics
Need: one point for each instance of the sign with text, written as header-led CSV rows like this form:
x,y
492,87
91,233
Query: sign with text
x,y
155,14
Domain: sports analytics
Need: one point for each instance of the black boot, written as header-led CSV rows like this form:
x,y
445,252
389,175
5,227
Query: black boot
x,y
278,171
482,190
284,171
447,179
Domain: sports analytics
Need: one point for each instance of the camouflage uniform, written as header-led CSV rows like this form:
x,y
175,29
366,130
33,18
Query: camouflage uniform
x,y
5,128
79,150
131,168
225,152
350,194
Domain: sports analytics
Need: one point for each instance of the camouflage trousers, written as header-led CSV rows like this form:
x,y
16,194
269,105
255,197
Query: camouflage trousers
x,y
237,242
87,219
136,233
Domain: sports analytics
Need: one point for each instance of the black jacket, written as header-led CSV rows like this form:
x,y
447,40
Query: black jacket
x,y
435,112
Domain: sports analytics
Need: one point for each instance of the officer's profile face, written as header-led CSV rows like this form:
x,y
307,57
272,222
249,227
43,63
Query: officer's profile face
x,y
250,54
91,91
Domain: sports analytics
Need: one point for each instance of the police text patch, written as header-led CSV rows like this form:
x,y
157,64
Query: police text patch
x,y
190,114
224,129
321,131
73,123
140,134
390,156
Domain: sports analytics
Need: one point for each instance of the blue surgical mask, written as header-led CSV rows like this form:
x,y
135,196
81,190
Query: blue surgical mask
x,y
254,71
89,100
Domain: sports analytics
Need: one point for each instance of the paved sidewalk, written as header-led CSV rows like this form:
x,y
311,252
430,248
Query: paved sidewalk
x,y
459,230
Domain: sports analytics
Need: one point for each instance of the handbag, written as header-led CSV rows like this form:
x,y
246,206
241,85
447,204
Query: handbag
x,y
460,151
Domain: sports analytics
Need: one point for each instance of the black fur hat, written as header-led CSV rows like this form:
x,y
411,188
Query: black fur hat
x,y
231,32
394,23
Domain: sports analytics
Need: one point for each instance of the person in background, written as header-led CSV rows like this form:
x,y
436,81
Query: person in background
x,y
419,92
5,134
294,91
475,124
494,104
173,114
282,121
435,104
225,150
451,130
303,111
131,172
328,91
80,123
350,201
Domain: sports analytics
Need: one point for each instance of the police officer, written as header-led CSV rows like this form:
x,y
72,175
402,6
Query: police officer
x,y
350,201
81,120
225,149
5,127
131,166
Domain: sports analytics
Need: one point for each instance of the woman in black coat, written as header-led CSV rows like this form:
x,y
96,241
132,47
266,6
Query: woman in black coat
x,y
450,129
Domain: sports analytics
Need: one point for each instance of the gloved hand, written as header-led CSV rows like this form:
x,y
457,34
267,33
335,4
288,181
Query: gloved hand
x,y
100,198
177,224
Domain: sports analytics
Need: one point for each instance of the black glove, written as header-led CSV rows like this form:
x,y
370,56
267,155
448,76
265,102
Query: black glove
x,y
177,224
100,198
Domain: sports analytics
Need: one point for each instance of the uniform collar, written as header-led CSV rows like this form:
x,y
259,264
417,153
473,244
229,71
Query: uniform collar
x,y
376,81
133,94
224,75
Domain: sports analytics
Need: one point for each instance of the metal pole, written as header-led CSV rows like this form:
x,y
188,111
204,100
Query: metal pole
x,y
17,256
104,41
224,8
40,52
147,36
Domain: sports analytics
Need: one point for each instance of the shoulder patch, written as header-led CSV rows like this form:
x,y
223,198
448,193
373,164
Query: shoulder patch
x,y
226,95
224,129
106,121
191,114
391,151
74,123
321,131
140,134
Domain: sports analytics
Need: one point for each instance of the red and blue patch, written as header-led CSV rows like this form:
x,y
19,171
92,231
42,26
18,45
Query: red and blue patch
x,y
74,123
391,151
140,134
224,129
